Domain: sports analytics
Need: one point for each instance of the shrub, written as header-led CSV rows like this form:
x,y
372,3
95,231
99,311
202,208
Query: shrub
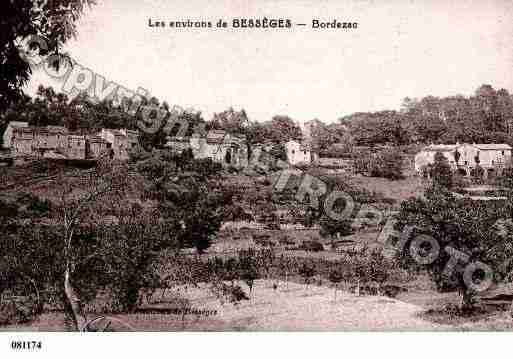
x,y
307,271
311,246
248,269
441,171
335,276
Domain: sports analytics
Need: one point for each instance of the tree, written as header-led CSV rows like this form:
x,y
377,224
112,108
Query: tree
x,y
232,121
457,156
73,208
190,196
283,129
307,271
441,172
248,267
53,21
387,164
332,228
391,164
463,225
278,152
335,276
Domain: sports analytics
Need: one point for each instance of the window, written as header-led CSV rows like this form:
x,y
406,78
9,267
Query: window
x,y
466,163
502,153
304,152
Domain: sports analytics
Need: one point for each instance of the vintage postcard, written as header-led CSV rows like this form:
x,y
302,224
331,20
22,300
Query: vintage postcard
x,y
287,165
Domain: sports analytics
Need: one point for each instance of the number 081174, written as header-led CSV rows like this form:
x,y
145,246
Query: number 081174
x,y
26,345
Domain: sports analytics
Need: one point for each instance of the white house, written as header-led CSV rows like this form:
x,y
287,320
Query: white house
x,y
466,157
298,152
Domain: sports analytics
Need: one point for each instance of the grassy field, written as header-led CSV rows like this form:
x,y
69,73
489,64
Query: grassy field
x,y
399,190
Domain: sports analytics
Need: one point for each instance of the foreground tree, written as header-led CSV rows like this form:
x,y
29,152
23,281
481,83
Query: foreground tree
x,y
76,201
475,233
53,21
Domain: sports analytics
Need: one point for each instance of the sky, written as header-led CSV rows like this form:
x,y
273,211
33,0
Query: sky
x,y
401,48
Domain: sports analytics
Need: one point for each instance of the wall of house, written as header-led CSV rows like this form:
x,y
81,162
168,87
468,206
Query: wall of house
x,y
7,137
76,148
487,158
96,149
494,157
295,154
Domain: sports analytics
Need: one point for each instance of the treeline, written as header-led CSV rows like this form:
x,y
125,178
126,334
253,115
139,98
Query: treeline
x,y
484,117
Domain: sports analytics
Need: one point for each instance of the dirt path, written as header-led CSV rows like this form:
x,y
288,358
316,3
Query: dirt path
x,y
298,309
291,307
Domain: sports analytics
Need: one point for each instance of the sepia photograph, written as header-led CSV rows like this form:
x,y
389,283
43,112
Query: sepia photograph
x,y
263,166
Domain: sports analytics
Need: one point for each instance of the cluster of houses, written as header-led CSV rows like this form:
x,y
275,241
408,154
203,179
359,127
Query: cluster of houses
x,y
465,158
56,142
232,150
219,145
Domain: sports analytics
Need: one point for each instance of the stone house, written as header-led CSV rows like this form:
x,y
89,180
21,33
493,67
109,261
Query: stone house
x,y
97,147
219,145
56,142
8,133
299,153
222,147
464,158
119,142
76,148
39,141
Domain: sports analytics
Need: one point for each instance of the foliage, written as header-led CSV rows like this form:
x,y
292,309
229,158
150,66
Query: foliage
x,y
470,227
481,118
331,227
441,173
52,20
191,198
307,271
311,246
248,267
386,163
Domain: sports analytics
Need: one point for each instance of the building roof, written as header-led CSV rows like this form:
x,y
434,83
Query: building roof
x,y
216,136
18,124
46,129
96,139
492,146
56,129
441,148
221,136
303,145
23,129
481,146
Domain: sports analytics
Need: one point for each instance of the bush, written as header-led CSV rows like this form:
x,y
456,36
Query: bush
x,y
311,246
386,164
307,271
441,171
